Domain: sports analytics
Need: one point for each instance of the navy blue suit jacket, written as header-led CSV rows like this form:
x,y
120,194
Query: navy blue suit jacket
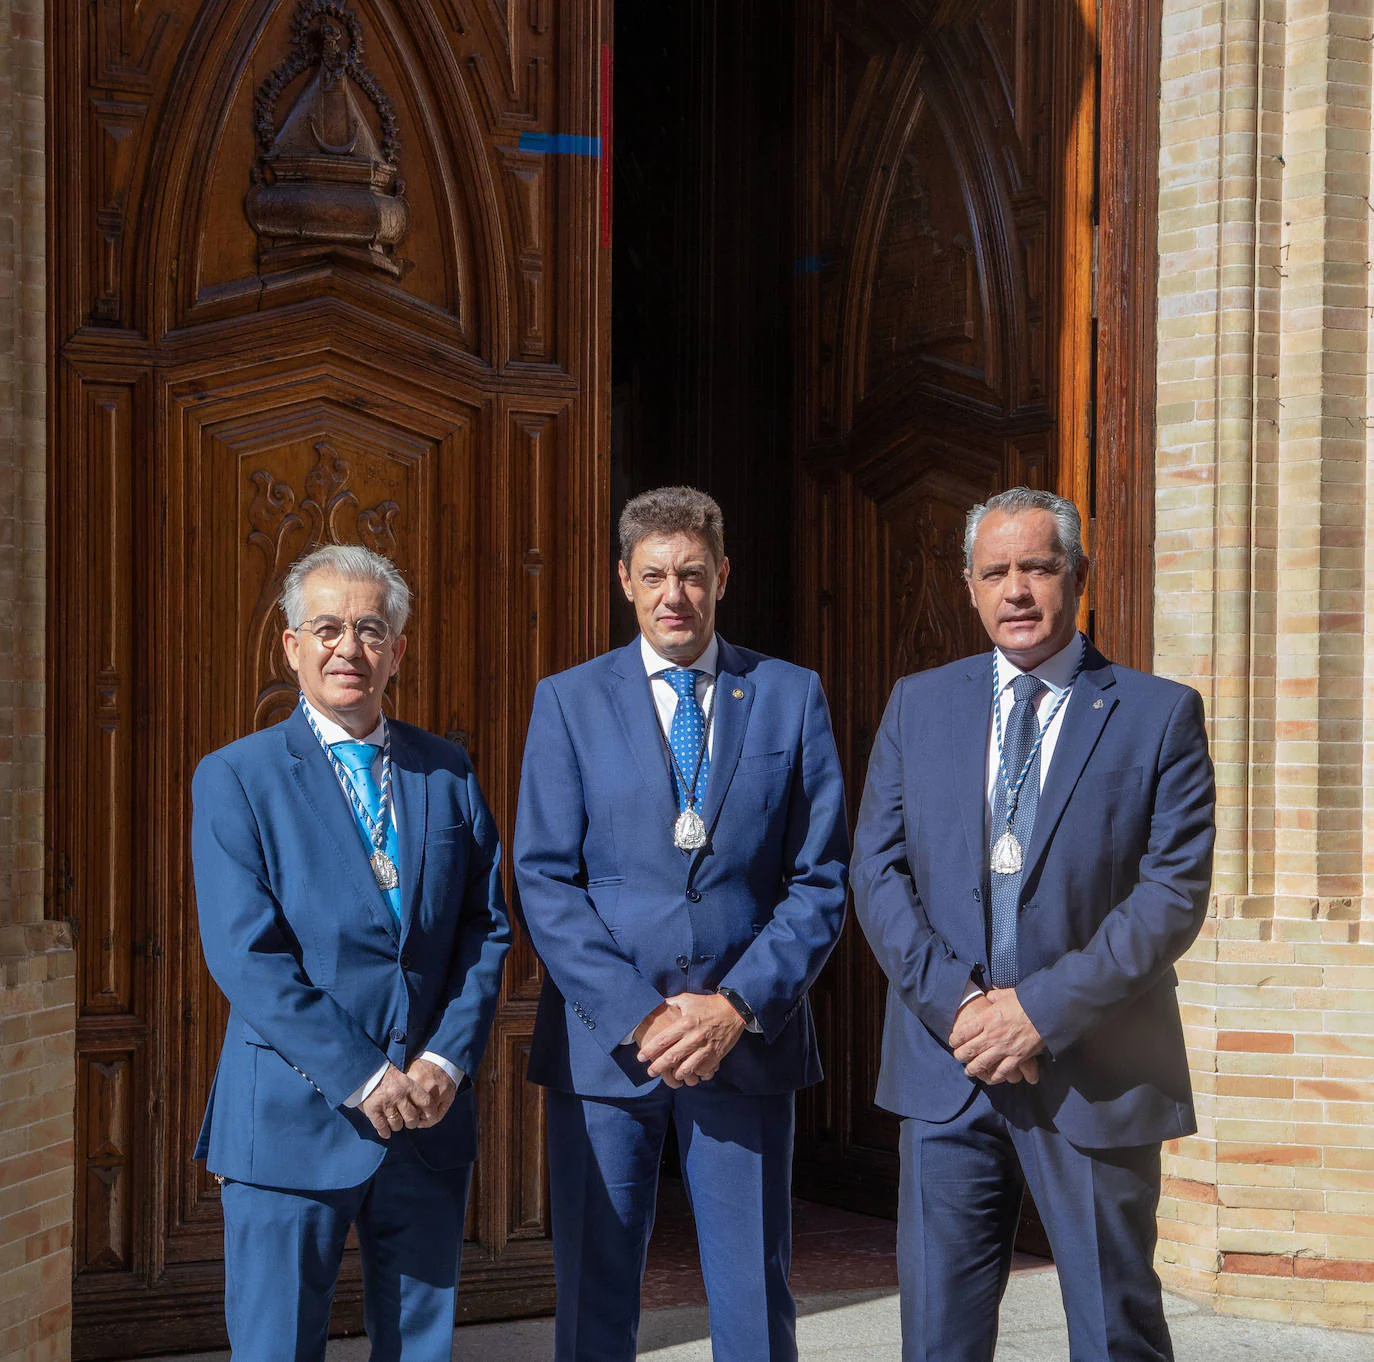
x,y
622,919
1114,891
322,984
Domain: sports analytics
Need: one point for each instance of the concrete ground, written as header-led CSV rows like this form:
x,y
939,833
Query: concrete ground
x,y
862,1326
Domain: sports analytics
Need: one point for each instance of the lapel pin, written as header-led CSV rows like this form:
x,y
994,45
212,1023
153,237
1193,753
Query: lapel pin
x,y
1097,704
738,694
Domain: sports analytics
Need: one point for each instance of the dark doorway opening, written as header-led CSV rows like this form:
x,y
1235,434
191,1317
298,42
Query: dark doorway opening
x,y
702,282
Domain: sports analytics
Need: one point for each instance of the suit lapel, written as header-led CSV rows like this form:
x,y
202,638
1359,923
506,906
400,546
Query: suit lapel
x,y
319,787
970,721
634,706
1085,715
412,798
730,721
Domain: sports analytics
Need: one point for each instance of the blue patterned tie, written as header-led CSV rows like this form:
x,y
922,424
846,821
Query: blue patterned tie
x,y
687,736
358,757
1019,737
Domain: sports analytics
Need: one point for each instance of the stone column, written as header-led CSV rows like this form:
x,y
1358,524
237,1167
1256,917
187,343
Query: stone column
x,y
1263,601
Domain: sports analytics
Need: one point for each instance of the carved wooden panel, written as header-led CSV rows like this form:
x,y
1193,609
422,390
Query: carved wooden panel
x,y
321,272
941,356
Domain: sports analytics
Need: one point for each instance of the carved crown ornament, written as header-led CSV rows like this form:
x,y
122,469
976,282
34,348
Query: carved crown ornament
x,y
327,174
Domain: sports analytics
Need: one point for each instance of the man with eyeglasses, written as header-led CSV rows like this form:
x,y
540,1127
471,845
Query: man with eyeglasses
x,y
351,911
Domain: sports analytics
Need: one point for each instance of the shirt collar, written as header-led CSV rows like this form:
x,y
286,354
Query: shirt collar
x,y
1056,672
654,662
333,732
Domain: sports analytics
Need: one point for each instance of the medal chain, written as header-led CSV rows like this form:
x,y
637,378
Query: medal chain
x,y
1013,791
376,828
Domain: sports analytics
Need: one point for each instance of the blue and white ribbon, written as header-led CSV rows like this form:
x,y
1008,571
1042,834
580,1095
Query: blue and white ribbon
x,y
376,827
1014,790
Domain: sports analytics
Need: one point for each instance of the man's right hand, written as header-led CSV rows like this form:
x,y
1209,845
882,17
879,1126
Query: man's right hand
x,y
396,1102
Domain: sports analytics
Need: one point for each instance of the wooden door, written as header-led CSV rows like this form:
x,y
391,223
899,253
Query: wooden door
x,y
944,351
321,271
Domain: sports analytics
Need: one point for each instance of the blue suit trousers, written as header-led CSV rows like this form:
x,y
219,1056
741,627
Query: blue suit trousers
x,y
604,1157
957,1214
283,1249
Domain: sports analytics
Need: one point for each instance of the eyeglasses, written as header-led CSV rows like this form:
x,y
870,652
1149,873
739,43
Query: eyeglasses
x,y
372,631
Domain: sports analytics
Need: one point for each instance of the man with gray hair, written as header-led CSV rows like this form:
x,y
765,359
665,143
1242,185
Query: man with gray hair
x,y
680,851
351,911
1033,854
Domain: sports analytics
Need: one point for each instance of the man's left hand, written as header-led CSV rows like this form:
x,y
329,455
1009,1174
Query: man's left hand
x,y
691,1049
994,1043
438,1088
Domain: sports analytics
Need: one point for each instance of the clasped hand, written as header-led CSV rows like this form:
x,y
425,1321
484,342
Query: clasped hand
x,y
415,1100
994,1039
684,1039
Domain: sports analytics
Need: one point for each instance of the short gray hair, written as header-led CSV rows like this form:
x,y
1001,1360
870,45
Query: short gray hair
x,y
1068,523
672,510
355,564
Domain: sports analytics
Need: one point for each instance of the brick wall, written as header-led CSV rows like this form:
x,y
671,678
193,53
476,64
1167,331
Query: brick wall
x,y
1265,601
37,982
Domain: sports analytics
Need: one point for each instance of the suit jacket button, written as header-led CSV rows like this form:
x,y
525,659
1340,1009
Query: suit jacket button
x,y
397,1034
694,896
591,1025
683,962
405,961
977,896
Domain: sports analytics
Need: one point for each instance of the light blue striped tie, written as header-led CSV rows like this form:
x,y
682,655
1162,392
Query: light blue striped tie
x,y
358,757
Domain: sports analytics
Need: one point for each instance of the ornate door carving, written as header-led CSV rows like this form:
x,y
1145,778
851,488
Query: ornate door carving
x,y
315,278
945,334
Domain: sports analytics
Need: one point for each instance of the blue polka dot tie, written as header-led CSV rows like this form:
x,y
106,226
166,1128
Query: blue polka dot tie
x,y
1023,727
359,757
687,736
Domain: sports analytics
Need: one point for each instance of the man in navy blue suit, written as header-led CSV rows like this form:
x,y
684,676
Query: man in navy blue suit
x,y
351,911
680,852
1033,854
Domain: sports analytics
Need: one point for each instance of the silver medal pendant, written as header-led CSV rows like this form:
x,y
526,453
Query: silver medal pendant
x,y
384,870
689,832
1006,854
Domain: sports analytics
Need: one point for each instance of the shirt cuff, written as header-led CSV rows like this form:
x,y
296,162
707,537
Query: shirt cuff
x,y
360,1094
452,1070
973,992
747,1014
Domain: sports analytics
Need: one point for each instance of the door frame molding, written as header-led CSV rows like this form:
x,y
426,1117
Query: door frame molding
x,y
1123,528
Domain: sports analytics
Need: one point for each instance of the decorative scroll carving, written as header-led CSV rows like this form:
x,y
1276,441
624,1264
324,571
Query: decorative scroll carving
x,y
323,176
933,628
281,532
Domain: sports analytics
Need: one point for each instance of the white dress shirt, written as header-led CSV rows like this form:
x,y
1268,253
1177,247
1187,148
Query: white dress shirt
x,y
665,697
333,733
1056,672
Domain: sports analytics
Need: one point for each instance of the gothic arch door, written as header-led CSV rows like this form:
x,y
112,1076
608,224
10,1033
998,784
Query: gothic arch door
x,y
945,340
321,270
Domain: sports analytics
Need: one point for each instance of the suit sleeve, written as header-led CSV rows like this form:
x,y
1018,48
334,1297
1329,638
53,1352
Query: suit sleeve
x,y
249,945
1142,936
575,945
782,962
480,945
920,967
